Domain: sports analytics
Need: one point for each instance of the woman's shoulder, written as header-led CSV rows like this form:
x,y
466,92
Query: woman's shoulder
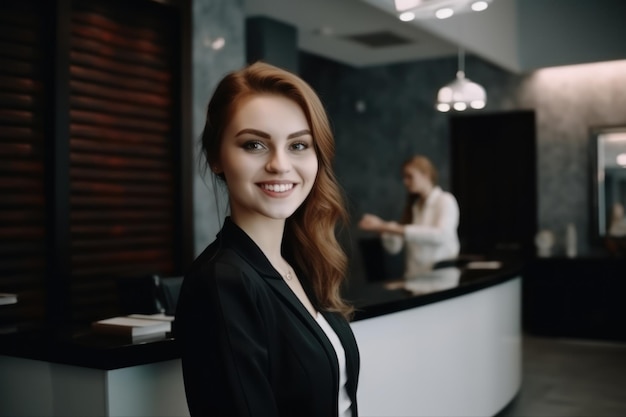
x,y
446,197
218,263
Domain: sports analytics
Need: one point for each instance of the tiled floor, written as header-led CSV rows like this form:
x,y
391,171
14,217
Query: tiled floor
x,y
571,378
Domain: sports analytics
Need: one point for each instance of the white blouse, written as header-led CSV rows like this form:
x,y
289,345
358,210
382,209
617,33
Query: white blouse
x,y
432,235
344,401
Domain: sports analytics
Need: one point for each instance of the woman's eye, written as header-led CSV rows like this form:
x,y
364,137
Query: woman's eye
x,y
299,146
253,145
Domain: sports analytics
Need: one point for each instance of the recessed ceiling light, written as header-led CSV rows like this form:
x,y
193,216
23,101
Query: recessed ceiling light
x,y
407,16
479,6
442,9
444,13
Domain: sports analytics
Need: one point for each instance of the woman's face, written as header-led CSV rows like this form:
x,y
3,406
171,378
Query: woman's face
x,y
267,158
415,181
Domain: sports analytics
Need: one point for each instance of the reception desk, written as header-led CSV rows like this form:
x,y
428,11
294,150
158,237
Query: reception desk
x,y
454,350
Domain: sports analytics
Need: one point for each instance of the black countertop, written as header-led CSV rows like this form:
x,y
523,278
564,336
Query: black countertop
x,y
375,299
79,346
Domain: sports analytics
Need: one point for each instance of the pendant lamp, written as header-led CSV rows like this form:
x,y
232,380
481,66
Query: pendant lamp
x,y
462,93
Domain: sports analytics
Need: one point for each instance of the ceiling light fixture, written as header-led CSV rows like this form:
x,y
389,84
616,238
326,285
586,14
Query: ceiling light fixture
x,y
462,92
441,9
444,13
407,16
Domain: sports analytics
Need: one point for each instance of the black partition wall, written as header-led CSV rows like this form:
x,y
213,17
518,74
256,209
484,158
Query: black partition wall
x,y
94,143
494,177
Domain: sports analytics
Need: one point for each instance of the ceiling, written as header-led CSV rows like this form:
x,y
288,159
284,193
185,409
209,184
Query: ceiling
x,y
517,35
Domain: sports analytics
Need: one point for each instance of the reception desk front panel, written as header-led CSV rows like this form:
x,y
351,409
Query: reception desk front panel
x,y
456,357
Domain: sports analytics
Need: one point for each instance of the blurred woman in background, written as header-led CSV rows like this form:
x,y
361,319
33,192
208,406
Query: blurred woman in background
x,y
429,223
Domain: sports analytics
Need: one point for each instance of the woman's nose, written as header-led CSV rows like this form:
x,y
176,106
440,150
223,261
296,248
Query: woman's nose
x,y
278,162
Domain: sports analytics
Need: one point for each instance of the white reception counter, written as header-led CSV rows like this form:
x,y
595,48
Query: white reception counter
x,y
453,352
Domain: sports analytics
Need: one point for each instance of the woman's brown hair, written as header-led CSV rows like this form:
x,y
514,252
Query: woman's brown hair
x,y
311,230
423,165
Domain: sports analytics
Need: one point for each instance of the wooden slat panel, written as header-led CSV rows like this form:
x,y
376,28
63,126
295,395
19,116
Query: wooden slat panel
x,y
122,270
107,203
110,134
22,204
15,100
101,49
100,18
94,66
19,31
108,120
20,51
15,66
23,200
119,215
119,37
119,229
14,168
19,84
127,257
116,108
118,242
120,174
86,188
122,148
123,95
19,150
122,194
16,117
113,162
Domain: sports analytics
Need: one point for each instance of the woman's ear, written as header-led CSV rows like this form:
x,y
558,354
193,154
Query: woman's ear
x,y
216,168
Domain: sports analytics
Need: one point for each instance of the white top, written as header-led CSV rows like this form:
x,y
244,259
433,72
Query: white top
x,y
432,235
344,401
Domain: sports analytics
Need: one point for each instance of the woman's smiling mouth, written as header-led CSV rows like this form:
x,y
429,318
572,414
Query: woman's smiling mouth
x,y
276,188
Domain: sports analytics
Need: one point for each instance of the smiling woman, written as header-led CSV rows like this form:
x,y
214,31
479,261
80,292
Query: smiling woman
x,y
261,324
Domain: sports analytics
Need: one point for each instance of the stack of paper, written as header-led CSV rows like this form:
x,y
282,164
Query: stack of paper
x,y
6,298
133,326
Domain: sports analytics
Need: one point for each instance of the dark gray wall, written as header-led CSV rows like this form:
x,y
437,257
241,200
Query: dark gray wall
x,y
211,20
273,42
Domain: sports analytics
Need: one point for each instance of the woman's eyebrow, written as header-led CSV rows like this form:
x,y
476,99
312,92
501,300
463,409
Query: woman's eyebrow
x,y
267,136
253,132
299,133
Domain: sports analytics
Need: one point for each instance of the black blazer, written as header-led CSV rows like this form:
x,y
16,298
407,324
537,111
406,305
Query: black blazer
x,y
249,346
